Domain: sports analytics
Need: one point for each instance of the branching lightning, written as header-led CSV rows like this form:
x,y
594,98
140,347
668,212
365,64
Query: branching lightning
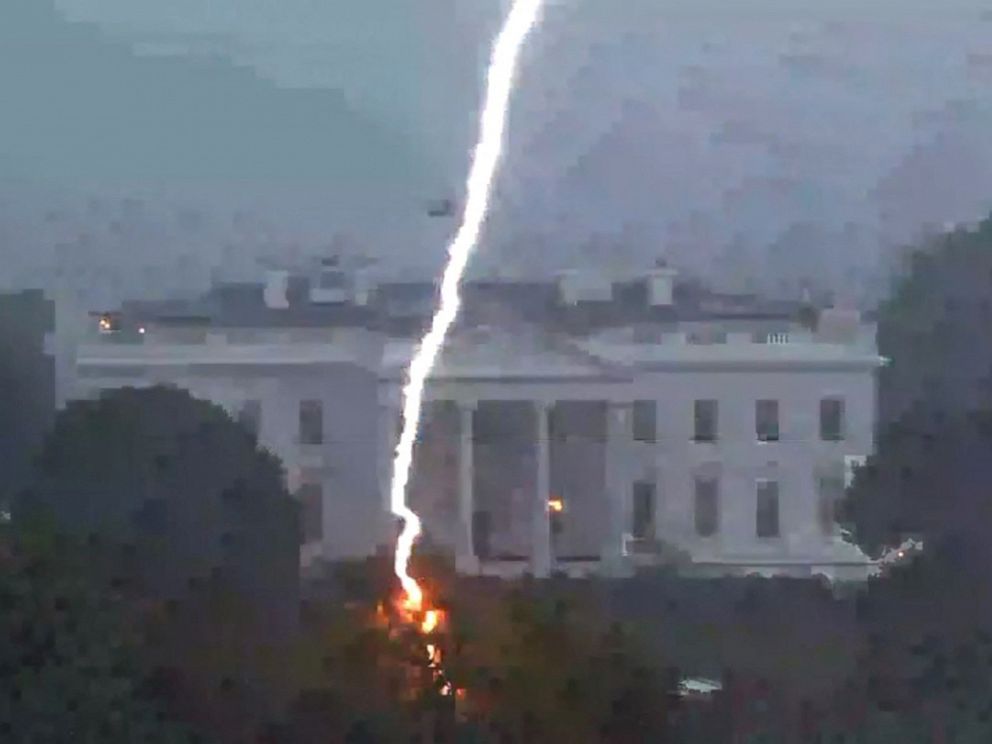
x,y
523,16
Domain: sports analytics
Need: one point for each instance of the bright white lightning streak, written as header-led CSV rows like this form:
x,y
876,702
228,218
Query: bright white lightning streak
x,y
522,18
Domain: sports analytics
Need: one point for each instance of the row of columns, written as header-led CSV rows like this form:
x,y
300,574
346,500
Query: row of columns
x,y
541,558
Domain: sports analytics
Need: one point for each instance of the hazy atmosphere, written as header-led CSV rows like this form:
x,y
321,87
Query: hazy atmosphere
x,y
781,141
495,371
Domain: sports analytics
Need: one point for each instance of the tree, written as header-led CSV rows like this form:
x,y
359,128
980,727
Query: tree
x,y
929,477
27,378
69,661
934,328
205,537
935,395
540,664
179,482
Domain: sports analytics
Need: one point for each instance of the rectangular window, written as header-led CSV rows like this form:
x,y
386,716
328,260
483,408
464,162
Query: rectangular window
x,y
832,419
482,532
643,511
707,514
766,420
645,421
250,416
766,512
831,494
311,497
705,420
311,422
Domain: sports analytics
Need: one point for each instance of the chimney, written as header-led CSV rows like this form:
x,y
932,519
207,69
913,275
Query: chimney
x,y
661,284
276,287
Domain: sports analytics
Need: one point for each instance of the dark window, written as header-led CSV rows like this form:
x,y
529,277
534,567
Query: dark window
x,y
705,421
482,525
707,514
766,513
311,496
644,505
250,416
766,420
831,493
645,420
311,422
831,419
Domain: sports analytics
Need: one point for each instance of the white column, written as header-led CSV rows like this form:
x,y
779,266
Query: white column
x,y
619,502
541,526
466,561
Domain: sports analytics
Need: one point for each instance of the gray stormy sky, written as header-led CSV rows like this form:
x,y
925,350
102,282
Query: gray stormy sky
x,y
732,135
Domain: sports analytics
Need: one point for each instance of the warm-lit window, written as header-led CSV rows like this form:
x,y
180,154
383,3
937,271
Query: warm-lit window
x,y
311,422
766,511
644,421
707,507
705,420
766,420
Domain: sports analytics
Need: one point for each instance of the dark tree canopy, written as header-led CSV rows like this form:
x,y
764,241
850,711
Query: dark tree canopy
x,y
934,329
27,378
181,483
931,467
68,667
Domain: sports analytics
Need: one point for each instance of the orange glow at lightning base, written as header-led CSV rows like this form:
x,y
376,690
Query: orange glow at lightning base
x,y
522,18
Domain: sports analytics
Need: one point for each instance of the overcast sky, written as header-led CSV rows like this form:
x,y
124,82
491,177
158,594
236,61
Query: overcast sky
x,y
705,129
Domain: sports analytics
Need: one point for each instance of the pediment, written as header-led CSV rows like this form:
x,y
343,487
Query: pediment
x,y
519,351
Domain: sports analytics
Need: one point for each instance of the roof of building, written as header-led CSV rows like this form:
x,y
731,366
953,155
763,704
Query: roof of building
x,y
404,308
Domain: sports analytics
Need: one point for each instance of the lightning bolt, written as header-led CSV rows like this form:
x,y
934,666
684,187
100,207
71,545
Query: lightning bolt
x,y
522,18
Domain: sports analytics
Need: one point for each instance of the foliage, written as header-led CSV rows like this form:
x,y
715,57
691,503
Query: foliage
x,y
933,329
68,663
541,665
204,540
182,484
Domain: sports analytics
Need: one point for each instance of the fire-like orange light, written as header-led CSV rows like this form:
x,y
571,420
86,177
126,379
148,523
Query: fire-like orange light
x,y
556,505
432,618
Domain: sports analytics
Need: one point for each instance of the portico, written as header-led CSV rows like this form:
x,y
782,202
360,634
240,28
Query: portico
x,y
538,383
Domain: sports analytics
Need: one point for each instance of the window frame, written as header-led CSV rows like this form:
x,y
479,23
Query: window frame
x,y
305,435
761,510
650,488
648,431
771,436
709,481
841,434
697,409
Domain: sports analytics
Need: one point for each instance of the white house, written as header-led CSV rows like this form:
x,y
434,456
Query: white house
x,y
579,425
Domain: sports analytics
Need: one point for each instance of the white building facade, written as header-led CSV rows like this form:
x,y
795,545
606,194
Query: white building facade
x,y
580,426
